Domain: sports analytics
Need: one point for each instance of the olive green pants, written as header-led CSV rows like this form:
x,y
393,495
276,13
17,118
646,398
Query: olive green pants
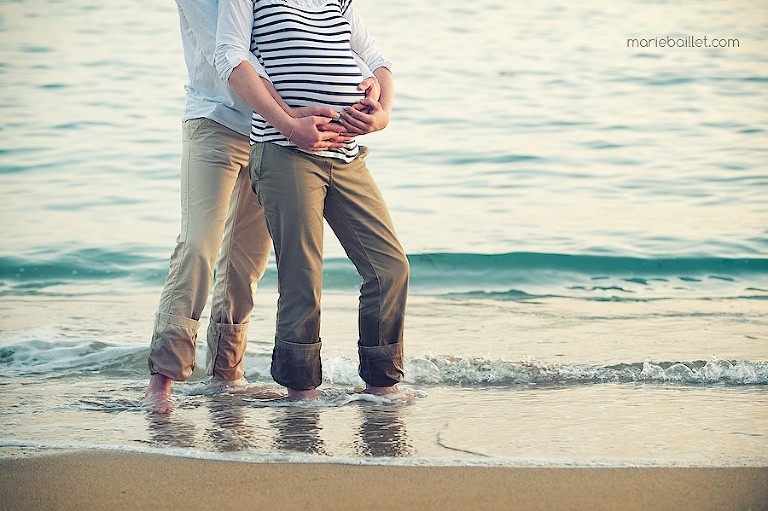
x,y
298,190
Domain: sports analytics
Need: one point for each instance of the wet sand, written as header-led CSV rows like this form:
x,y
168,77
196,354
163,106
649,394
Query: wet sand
x,y
103,480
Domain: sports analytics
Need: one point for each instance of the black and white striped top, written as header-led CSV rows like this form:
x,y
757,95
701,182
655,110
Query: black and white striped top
x,y
306,52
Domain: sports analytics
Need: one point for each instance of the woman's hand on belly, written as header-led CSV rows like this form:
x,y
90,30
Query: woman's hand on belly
x,y
317,133
326,128
365,116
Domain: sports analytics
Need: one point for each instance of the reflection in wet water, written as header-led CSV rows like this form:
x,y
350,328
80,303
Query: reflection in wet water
x,y
230,428
382,432
165,430
298,430
240,423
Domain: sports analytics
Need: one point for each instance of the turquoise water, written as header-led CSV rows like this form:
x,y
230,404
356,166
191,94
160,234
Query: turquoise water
x,y
587,226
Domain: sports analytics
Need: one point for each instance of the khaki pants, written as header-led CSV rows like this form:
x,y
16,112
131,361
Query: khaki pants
x,y
297,191
216,204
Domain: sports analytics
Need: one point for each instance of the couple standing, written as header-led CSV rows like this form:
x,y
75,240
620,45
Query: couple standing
x,y
301,79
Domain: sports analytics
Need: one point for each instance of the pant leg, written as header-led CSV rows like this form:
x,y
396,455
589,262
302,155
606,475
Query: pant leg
x,y
208,176
292,187
244,257
356,211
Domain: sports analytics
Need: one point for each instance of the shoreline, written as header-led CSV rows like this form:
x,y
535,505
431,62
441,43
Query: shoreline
x,y
86,480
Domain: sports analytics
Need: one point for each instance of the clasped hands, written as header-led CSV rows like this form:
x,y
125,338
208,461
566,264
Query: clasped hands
x,y
318,128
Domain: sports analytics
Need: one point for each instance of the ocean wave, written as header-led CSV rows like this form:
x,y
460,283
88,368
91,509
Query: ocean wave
x,y
511,276
61,358
57,358
480,371
81,264
522,267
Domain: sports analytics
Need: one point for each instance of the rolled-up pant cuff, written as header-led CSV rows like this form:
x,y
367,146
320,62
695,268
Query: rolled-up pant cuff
x,y
226,348
296,365
172,349
381,366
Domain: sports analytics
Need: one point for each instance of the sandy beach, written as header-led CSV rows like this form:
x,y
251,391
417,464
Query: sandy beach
x,y
101,480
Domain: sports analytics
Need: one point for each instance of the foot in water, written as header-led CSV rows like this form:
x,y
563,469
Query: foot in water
x,y
299,395
381,391
240,384
158,396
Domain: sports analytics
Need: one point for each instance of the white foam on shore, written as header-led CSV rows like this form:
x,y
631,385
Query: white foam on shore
x,y
10,449
59,357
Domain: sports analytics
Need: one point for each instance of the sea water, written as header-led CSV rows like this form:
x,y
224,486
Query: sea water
x,y
586,221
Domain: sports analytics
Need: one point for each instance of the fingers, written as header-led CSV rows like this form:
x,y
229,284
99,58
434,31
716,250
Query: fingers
x,y
322,111
353,127
318,133
366,103
371,87
366,84
355,120
326,145
332,126
336,141
333,138
319,119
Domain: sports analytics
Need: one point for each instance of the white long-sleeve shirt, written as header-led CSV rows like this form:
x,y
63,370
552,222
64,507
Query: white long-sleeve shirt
x,y
206,95
309,49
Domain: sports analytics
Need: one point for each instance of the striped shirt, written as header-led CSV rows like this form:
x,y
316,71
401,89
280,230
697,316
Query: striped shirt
x,y
308,52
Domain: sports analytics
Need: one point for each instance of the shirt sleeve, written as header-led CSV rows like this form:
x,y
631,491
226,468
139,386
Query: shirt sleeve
x,y
366,72
200,17
362,42
233,38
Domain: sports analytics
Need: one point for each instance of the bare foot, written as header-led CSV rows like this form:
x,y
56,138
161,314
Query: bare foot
x,y
381,391
303,394
229,384
158,396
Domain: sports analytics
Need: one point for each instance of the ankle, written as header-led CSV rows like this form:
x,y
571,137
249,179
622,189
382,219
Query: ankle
x,y
159,384
380,391
303,394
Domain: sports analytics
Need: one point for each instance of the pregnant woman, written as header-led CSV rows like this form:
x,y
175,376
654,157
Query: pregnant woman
x,y
303,172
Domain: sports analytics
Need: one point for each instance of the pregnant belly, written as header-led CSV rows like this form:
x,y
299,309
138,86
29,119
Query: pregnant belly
x,y
332,91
